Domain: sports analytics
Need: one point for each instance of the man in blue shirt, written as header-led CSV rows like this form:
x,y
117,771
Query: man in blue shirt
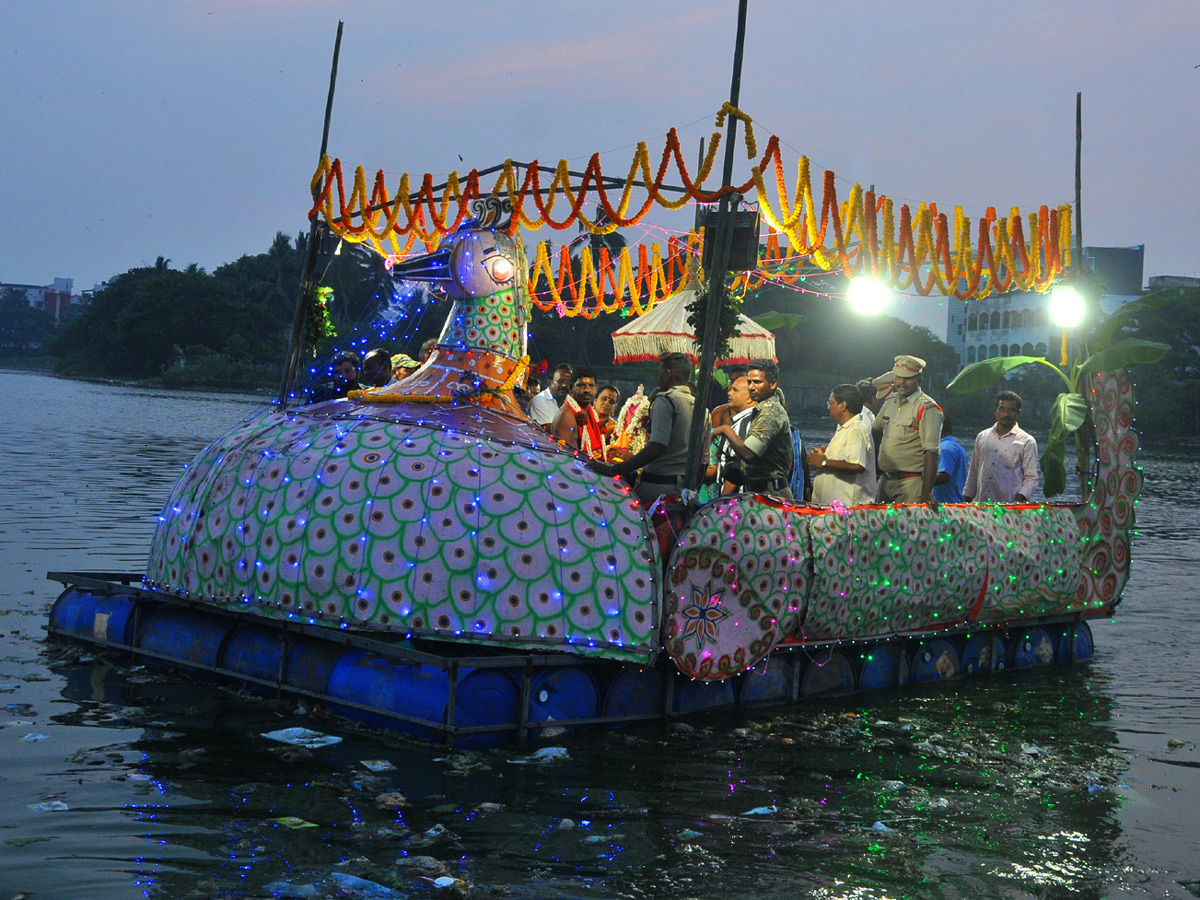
x,y
952,466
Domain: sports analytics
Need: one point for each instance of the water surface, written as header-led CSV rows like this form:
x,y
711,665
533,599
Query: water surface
x,y
1062,782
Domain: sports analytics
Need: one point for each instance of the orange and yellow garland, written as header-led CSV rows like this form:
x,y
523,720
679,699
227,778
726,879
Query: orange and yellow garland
x,y
860,235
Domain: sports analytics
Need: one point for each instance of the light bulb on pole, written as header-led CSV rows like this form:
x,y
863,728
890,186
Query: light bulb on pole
x,y
1066,306
868,296
1066,311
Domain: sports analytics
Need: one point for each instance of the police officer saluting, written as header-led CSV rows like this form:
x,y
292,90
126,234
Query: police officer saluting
x,y
907,431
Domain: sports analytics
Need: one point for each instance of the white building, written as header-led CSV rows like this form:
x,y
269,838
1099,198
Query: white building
x,y
1018,323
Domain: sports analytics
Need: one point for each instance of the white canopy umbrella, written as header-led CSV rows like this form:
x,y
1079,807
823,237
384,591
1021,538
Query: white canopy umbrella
x,y
665,329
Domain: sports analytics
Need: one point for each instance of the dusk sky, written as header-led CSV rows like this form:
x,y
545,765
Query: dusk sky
x,y
191,130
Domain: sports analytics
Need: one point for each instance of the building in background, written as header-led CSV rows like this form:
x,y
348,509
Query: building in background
x,y
1162,282
54,298
1018,323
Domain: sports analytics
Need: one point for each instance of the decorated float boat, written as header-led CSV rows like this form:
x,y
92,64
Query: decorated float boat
x,y
424,558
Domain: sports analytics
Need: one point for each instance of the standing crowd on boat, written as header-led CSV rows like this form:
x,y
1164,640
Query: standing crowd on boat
x,y
892,443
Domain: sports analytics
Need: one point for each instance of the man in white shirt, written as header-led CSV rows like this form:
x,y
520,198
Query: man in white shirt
x,y
846,468
1004,464
543,408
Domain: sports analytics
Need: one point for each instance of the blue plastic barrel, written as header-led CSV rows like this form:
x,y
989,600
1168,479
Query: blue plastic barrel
x,y
633,692
255,651
1031,647
1082,636
882,666
981,650
695,696
183,638
768,684
933,660
94,616
562,692
310,662
829,673
482,697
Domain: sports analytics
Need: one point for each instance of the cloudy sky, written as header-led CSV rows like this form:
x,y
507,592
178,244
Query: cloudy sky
x,y
190,130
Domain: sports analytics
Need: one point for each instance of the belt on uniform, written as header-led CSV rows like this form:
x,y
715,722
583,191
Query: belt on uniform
x,y
659,479
895,475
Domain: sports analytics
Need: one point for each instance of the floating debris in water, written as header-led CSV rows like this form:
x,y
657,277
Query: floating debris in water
x,y
293,822
390,800
302,737
542,757
377,765
49,806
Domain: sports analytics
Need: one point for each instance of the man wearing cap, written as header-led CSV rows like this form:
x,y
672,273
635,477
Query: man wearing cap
x,y
403,365
907,433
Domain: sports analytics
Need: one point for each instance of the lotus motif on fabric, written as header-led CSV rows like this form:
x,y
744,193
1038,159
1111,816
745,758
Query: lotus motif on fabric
x,y
702,616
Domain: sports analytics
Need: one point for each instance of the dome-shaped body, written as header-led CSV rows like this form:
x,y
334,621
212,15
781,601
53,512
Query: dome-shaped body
x,y
441,520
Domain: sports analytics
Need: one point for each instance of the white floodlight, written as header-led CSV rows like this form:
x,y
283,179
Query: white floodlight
x,y
1066,306
868,296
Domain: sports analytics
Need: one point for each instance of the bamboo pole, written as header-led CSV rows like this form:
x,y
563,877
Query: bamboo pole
x,y
716,275
308,281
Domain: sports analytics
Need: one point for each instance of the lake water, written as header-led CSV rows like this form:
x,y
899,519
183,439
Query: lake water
x,y
1062,782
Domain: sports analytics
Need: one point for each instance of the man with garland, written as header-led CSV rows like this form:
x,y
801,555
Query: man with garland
x,y
576,424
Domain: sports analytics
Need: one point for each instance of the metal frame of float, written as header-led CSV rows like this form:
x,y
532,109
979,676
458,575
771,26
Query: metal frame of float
x,y
528,664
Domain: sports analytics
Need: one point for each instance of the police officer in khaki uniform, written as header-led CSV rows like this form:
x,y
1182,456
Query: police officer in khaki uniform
x,y
907,431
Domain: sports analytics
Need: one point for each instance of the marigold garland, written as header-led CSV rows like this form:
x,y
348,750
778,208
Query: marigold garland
x,y
859,235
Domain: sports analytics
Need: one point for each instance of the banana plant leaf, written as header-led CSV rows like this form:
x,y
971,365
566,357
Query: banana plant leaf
x,y
1054,468
1067,414
772,320
1107,330
980,375
1124,353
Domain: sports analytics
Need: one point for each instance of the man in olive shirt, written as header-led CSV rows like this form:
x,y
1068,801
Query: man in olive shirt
x,y
907,430
767,450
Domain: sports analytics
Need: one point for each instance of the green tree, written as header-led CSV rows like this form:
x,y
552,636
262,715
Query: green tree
x,y
132,328
23,328
1169,391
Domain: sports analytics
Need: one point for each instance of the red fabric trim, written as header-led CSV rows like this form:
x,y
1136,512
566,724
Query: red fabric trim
x,y
982,594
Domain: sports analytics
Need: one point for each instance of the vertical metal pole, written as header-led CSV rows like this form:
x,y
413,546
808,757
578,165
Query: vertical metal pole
x,y
308,281
716,276
1078,178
